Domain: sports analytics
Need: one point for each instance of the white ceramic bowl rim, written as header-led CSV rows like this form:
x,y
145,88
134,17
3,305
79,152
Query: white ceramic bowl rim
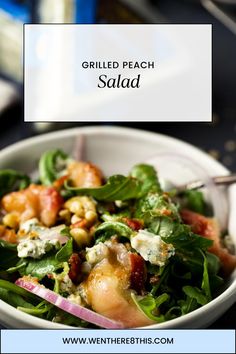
x,y
223,298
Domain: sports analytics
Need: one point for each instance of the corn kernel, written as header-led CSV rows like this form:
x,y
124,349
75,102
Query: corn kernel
x,y
11,220
88,203
80,236
75,206
75,219
80,205
65,214
91,216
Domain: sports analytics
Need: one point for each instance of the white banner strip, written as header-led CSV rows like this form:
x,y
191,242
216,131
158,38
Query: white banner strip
x,y
94,73
117,341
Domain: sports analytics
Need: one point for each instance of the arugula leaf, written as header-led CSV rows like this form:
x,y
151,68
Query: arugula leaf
x,y
20,265
42,308
201,296
51,165
118,187
125,213
17,297
14,299
195,293
154,204
162,226
65,252
110,228
8,254
213,263
205,279
192,260
195,201
12,180
13,288
183,238
188,305
39,268
169,227
164,273
148,176
149,305
179,275
215,283
178,234
66,231
142,179
173,312
8,245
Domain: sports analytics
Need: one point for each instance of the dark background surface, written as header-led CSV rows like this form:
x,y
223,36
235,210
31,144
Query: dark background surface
x,y
217,138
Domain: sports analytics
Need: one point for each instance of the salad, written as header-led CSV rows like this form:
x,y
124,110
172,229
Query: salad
x,y
82,250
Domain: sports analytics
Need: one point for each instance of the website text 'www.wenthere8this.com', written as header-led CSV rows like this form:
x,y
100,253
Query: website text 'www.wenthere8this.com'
x,y
117,340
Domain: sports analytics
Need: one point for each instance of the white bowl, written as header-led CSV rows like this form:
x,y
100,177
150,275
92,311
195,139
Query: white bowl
x,y
115,150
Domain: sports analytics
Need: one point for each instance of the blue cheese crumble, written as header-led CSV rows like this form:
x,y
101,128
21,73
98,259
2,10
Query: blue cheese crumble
x,y
96,253
35,248
36,240
152,248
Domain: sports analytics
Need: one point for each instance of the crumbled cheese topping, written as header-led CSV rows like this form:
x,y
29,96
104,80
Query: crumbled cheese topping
x,y
152,248
97,253
29,225
75,298
66,285
35,240
34,248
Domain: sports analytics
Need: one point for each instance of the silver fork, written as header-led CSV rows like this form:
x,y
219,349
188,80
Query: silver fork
x,y
219,181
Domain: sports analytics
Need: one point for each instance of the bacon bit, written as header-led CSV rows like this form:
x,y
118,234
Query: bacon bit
x,y
59,183
75,266
7,235
82,223
209,228
138,272
134,224
166,212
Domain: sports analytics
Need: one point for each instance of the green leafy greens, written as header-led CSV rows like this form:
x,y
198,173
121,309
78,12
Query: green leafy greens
x,y
127,207
51,166
8,255
11,180
142,179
